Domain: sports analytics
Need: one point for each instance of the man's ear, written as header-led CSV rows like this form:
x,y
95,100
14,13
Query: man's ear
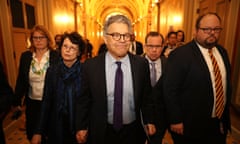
x,y
194,32
132,37
105,39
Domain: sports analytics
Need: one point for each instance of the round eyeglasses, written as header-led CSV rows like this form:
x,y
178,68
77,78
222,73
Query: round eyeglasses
x,y
70,48
117,36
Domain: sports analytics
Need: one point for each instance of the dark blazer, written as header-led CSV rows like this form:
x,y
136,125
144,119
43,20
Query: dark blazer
x,y
139,48
57,120
160,108
22,83
6,94
33,107
188,90
92,105
158,92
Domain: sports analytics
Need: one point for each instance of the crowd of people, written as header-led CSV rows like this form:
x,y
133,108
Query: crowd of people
x,y
130,93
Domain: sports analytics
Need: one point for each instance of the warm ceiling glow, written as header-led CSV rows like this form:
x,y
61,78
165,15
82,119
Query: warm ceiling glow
x,y
113,13
177,19
64,19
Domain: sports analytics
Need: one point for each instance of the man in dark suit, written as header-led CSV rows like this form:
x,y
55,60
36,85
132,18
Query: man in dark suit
x,y
136,47
96,115
6,95
139,47
189,87
154,43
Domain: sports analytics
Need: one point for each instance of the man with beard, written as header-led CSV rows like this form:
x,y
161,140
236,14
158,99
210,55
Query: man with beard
x,y
197,87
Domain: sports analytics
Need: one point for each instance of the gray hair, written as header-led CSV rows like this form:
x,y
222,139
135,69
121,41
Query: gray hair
x,y
117,19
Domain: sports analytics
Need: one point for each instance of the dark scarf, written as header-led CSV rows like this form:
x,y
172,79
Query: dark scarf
x,y
69,86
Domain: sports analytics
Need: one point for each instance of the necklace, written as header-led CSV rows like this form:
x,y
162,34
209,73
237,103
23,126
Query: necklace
x,y
41,71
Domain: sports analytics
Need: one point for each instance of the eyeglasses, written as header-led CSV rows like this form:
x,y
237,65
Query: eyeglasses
x,y
117,36
38,37
70,48
154,46
209,30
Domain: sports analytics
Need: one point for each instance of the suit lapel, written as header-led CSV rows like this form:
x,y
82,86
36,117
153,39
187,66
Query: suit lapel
x,y
163,64
200,59
134,76
101,73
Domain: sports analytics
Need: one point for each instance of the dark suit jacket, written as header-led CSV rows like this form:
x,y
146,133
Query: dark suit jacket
x,y
22,83
188,90
139,48
92,105
6,94
158,93
160,108
54,112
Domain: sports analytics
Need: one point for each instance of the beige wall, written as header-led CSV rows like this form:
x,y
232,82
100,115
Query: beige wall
x,y
171,15
57,15
7,42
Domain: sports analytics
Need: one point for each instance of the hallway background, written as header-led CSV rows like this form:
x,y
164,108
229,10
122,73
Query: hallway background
x,y
17,17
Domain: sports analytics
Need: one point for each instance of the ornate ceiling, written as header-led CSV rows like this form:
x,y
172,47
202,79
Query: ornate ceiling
x,y
101,9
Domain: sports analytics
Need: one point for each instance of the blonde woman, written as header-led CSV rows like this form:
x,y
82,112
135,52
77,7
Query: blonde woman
x,y
31,75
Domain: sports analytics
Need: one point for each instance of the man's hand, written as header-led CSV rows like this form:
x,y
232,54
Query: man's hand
x,y
177,128
81,136
36,139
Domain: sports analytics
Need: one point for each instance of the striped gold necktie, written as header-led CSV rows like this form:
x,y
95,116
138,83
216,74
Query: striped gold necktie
x,y
218,86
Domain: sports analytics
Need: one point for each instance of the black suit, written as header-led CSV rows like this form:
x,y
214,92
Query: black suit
x,y
6,95
189,96
139,48
92,105
160,108
136,48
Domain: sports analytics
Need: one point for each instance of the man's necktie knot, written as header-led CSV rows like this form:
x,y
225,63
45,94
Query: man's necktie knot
x,y
118,64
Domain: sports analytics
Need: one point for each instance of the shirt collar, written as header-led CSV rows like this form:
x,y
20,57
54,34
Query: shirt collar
x,y
112,60
203,49
150,61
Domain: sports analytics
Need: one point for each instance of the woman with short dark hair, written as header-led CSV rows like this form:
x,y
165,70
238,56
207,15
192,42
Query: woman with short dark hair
x,y
62,88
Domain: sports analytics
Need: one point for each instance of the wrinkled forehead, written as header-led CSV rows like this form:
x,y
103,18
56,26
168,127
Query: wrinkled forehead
x,y
116,24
